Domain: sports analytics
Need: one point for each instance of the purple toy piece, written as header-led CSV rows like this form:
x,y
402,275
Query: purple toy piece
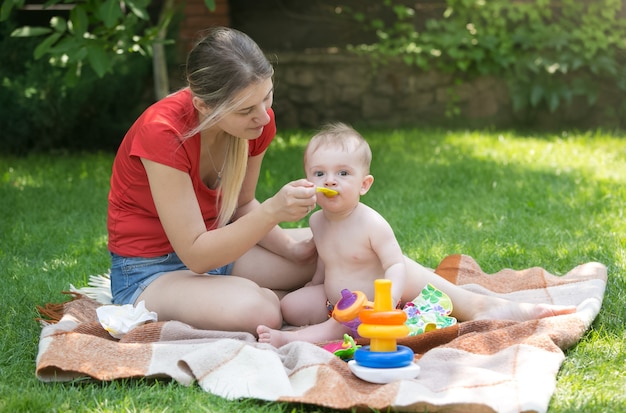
x,y
348,298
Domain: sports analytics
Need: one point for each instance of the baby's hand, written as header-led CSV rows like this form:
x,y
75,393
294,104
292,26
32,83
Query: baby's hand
x,y
303,251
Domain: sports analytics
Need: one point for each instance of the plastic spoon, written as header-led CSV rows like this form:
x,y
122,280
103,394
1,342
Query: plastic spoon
x,y
327,191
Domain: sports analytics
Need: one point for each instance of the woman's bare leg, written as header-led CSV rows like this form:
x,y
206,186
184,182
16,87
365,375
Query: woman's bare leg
x,y
468,305
212,302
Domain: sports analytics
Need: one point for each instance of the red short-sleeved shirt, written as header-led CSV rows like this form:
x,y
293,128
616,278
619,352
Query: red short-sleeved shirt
x,y
133,223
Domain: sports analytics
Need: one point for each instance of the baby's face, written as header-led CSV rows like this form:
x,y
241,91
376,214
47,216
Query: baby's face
x,y
335,169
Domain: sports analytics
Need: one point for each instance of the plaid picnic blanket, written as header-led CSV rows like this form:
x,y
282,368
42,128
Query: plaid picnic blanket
x,y
475,366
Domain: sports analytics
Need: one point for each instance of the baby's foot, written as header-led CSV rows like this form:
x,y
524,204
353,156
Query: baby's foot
x,y
509,310
277,338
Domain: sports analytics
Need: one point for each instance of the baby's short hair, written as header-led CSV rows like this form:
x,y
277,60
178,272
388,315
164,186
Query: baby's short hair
x,y
343,137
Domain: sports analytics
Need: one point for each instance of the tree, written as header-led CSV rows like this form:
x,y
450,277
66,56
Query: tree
x,y
95,34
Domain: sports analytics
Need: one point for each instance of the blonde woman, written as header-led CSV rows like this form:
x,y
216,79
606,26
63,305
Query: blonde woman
x,y
186,233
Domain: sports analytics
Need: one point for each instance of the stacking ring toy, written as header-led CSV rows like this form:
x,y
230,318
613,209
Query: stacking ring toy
x,y
383,360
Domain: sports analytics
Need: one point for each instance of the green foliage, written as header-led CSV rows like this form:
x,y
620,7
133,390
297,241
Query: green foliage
x,y
41,112
548,51
78,83
96,33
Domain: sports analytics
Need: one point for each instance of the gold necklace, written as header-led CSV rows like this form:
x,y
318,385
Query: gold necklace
x,y
219,173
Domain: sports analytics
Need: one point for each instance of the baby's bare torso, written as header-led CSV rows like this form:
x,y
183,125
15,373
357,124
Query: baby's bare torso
x,y
346,250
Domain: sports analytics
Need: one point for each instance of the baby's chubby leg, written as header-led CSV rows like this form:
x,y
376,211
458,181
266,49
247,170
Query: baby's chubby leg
x,y
305,306
472,306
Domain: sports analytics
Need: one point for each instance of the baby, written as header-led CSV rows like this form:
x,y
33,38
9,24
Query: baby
x,y
355,244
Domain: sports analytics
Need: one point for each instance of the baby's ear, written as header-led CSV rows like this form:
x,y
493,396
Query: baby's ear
x,y
366,184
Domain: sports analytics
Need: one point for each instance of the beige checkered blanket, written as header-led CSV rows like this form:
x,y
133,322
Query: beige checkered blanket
x,y
477,366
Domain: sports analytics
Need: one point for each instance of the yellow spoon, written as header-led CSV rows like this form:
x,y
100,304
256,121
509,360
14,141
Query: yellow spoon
x,y
327,191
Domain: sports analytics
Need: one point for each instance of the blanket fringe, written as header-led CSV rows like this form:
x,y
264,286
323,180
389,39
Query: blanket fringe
x,y
51,313
98,288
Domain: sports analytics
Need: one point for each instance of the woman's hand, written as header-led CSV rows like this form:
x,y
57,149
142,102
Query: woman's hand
x,y
293,202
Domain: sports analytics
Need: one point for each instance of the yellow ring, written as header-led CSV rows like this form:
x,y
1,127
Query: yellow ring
x,y
373,331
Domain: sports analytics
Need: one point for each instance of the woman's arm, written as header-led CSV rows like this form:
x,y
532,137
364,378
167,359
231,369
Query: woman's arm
x,y
202,250
277,240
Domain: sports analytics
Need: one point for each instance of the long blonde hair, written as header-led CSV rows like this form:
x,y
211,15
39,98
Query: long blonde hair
x,y
223,63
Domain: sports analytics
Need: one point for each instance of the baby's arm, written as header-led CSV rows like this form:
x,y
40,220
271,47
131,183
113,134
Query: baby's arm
x,y
388,249
397,274
318,277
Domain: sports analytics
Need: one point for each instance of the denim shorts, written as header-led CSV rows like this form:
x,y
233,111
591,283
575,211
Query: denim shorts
x,y
131,275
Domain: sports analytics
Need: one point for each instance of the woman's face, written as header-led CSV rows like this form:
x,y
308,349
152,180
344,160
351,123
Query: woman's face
x,y
249,117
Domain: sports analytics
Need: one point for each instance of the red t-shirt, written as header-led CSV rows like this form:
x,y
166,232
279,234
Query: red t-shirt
x,y
133,223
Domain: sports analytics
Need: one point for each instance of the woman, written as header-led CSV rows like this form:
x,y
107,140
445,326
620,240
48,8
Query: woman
x,y
182,199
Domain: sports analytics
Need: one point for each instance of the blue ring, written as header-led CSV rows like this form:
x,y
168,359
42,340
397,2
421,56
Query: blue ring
x,y
384,359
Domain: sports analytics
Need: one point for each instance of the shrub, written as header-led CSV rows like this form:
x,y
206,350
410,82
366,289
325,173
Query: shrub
x,y
549,52
40,112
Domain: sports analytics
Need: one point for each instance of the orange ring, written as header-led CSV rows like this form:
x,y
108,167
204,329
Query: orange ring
x,y
393,317
373,331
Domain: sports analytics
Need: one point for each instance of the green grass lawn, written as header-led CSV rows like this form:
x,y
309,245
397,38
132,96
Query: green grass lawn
x,y
508,199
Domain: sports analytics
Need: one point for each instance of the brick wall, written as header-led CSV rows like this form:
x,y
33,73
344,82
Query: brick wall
x,y
315,88
197,17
